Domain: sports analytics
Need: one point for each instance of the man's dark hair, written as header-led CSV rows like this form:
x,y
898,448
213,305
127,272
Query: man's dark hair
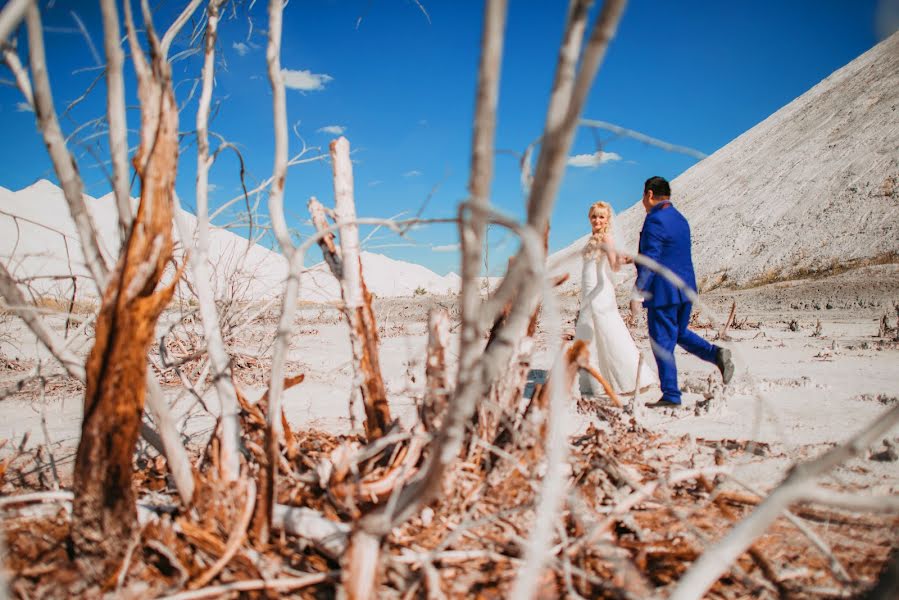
x,y
658,186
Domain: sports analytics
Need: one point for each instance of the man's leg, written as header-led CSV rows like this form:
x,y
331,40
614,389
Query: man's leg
x,y
662,322
692,343
688,340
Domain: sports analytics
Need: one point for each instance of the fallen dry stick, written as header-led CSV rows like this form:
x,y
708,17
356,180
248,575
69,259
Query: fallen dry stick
x,y
281,585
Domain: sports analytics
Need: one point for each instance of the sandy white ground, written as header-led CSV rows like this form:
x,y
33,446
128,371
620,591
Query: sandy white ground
x,y
815,390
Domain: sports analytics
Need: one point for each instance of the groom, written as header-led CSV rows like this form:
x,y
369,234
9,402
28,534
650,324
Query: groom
x,y
666,240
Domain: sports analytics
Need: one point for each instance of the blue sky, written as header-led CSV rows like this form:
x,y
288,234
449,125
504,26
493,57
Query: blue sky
x,y
399,80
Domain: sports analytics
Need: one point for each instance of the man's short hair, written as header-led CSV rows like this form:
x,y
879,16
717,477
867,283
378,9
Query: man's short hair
x,y
659,187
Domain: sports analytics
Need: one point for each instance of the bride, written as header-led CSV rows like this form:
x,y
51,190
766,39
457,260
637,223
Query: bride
x,y
613,351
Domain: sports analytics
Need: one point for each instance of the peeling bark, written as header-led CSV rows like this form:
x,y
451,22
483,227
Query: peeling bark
x,y
436,380
346,266
104,513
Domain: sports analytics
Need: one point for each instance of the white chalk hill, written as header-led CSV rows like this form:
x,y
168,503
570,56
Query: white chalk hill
x,y
40,246
812,187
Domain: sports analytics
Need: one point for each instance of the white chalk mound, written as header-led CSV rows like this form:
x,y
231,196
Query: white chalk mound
x,y
813,187
40,247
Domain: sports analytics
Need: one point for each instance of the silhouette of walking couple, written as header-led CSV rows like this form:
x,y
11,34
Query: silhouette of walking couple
x,y
664,250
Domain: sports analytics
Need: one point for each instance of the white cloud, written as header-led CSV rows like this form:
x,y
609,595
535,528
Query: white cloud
x,y
212,187
412,173
446,248
241,48
305,80
592,160
23,107
374,183
333,129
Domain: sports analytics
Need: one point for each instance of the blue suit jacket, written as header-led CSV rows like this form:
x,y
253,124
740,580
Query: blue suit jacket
x,y
665,238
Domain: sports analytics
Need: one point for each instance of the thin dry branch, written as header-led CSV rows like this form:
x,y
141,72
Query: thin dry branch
x,y
219,360
275,585
642,137
176,27
10,17
172,447
63,161
115,114
11,58
274,429
473,223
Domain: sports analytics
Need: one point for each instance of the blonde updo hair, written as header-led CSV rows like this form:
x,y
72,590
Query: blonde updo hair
x,y
594,244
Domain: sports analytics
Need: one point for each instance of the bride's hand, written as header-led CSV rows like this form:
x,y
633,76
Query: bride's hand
x,y
636,305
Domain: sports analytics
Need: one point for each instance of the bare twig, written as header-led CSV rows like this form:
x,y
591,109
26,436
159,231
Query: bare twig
x,y
115,114
642,137
279,585
472,228
63,162
176,27
220,362
11,16
836,566
57,496
173,448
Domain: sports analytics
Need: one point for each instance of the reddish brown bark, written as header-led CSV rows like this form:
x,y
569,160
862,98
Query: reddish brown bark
x,y
374,394
104,512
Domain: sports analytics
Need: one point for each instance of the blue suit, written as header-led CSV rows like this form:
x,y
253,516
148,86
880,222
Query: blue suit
x,y
665,238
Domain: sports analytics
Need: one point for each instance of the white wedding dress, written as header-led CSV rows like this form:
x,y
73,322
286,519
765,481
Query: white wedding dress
x,y
612,351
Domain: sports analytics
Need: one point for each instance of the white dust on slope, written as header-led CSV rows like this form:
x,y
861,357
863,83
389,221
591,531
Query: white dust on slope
x,y
813,186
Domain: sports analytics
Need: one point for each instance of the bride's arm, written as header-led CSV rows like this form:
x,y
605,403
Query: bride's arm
x,y
615,260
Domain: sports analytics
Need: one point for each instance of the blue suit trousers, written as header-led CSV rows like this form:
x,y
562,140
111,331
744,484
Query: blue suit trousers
x,y
668,328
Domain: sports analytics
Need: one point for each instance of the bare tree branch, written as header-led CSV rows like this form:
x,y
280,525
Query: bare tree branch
x,y
11,16
436,376
219,360
279,110
63,162
274,429
176,27
566,103
115,115
642,137
22,81
473,223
